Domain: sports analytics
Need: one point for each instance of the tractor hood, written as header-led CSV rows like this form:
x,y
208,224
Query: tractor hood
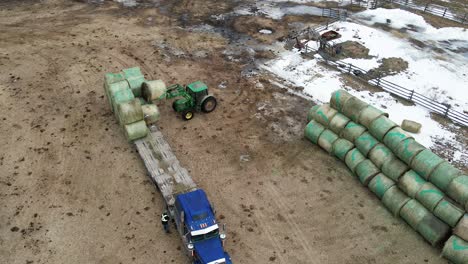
x,y
210,251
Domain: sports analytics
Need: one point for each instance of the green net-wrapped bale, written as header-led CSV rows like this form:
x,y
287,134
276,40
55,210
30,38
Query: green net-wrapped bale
x,y
425,162
150,113
407,149
136,130
310,114
413,213
456,250
380,126
122,96
433,230
380,154
380,184
339,98
353,108
341,147
129,112
394,200
313,131
411,126
411,183
324,114
152,90
365,142
458,189
338,123
429,196
394,168
326,140
115,88
352,131
353,158
443,175
113,77
461,229
448,212
135,79
365,171
394,137
369,114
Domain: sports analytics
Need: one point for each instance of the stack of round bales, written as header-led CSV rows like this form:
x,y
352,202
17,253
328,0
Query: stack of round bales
x,y
411,181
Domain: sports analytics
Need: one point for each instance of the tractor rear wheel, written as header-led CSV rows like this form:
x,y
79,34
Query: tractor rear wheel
x,y
208,104
187,115
174,106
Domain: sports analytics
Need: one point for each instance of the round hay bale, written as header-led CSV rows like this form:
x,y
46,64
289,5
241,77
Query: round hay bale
x,y
365,142
394,168
150,113
121,97
311,112
407,149
433,230
353,108
369,114
131,72
136,130
110,78
443,175
413,213
326,140
394,200
153,90
324,114
353,158
313,131
411,126
380,126
448,212
380,154
458,189
339,98
456,250
411,183
429,196
114,88
461,228
425,162
352,131
380,184
338,123
394,137
341,147
129,112
366,171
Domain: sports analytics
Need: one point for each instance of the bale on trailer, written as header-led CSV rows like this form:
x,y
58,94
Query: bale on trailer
x,y
338,123
407,149
324,114
394,168
429,196
380,184
448,212
380,126
456,250
425,162
443,175
365,142
394,137
129,112
313,131
369,114
413,213
365,171
136,130
326,140
411,183
433,230
110,78
458,189
352,131
341,147
150,113
121,97
353,158
353,108
114,88
338,99
135,79
461,229
394,200
152,90
380,154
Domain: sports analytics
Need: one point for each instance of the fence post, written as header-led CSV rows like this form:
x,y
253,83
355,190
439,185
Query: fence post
x,y
378,81
349,68
411,95
444,12
425,8
327,24
464,18
447,110
406,2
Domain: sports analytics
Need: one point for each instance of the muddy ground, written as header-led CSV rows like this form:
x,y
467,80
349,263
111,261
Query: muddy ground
x,y
72,190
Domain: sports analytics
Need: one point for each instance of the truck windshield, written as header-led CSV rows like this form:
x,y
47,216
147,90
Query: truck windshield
x,y
208,235
200,216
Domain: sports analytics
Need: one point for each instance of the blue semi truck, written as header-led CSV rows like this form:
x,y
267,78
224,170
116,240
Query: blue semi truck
x,y
188,206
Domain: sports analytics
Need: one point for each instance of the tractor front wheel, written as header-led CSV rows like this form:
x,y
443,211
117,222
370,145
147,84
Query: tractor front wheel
x,y
187,115
208,104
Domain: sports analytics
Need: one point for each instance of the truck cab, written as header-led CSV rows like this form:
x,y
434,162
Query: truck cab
x,y
196,223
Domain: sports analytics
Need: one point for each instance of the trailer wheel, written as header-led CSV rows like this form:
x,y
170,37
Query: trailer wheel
x,y
187,115
208,104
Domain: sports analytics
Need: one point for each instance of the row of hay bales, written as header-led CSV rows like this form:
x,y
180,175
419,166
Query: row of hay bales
x,y
412,182
125,91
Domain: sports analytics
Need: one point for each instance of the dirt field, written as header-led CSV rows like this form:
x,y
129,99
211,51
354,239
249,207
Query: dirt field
x,y
72,190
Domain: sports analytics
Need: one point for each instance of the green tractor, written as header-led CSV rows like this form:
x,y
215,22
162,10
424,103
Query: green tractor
x,y
195,98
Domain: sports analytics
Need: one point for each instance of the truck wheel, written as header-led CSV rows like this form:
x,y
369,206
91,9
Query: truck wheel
x,y
187,115
208,104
